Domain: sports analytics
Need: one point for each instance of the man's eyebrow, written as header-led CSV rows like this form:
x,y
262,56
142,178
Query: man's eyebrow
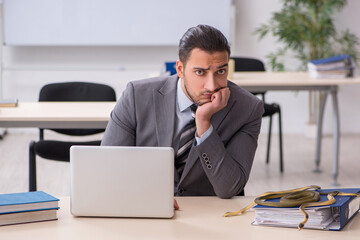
x,y
224,65
200,68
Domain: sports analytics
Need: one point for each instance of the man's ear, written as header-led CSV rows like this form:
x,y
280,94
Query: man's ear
x,y
180,69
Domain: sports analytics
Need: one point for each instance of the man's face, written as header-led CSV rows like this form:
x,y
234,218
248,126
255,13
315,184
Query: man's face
x,y
204,74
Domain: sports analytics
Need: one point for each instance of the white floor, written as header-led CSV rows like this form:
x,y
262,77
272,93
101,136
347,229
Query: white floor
x,y
299,152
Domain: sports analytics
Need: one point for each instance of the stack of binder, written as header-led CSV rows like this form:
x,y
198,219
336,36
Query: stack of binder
x,y
339,66
27,207
331,217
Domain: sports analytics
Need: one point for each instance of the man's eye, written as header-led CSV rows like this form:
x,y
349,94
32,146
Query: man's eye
x,y
199,72
221,71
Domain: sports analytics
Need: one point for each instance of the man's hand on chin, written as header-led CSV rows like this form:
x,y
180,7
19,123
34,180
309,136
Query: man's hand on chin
x,y
205,111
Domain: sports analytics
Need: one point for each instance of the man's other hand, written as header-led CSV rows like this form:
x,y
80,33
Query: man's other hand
x,y
176,206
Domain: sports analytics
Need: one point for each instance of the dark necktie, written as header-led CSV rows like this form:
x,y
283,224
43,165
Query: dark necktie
x,y
186,140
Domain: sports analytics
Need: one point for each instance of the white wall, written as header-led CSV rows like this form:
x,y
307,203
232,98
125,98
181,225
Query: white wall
x,y
28,68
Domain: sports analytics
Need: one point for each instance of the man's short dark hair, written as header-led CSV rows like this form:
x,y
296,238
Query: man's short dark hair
x,y
204,37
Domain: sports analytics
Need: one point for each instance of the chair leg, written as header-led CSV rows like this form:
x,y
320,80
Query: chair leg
x,y
41,134
269,141
32,167
280,143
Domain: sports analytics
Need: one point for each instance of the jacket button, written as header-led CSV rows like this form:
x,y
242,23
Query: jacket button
x,y
204,155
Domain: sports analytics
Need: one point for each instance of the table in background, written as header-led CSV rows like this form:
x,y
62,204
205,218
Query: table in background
x,y
56,115
300,81
198,218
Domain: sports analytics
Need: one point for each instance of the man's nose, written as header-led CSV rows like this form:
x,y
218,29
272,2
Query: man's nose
x,y
210,83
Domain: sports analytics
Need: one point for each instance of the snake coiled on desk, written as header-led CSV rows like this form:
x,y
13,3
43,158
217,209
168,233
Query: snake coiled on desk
x,y
300,197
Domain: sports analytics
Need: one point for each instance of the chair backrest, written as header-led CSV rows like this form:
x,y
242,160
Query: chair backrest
x,y
77,91
249,65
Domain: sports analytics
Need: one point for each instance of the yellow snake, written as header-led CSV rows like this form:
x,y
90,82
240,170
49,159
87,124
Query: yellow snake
x,y
300,197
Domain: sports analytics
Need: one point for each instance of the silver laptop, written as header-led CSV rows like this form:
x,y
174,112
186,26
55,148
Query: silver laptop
x,y
122,181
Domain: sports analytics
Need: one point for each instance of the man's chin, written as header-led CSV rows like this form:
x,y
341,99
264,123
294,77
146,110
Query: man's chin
x,y
203,101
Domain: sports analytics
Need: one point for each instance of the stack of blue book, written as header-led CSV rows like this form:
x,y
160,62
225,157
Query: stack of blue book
x,y
339,66
27,207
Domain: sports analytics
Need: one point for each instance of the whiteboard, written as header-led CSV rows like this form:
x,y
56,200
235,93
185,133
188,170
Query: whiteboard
x,y
109,22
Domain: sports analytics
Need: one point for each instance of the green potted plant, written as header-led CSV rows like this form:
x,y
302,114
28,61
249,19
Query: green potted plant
x,y
307,30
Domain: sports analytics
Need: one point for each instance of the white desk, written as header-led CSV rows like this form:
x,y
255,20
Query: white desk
x,y
299,81
198,218
57,115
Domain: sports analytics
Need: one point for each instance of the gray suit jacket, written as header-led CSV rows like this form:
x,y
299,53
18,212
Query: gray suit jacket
x,y
145,116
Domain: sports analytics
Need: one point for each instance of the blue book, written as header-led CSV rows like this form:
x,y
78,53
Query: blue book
x,y
27,201
333,59
331,217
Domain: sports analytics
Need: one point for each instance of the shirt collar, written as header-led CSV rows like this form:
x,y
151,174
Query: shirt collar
x,y
183,100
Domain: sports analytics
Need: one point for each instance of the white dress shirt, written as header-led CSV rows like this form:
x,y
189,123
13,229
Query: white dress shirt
x,y
183,116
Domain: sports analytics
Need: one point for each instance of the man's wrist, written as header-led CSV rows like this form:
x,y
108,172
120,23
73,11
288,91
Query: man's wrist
x,y
206,134
202,127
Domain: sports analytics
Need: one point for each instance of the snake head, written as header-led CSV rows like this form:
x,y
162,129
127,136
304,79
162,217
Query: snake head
x,y
300,226
334,193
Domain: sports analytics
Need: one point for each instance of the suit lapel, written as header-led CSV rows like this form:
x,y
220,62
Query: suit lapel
x,y
165,111
218,117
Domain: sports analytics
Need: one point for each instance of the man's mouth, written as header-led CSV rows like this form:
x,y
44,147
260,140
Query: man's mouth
x,y
209,94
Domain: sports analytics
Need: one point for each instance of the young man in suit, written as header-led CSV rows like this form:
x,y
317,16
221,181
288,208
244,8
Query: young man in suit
x,y
223,131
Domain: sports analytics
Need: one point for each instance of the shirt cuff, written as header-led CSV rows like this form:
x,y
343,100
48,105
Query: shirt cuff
x,y
203,137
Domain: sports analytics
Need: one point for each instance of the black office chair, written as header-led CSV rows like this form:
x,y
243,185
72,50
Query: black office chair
x,y
249,65
60,150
